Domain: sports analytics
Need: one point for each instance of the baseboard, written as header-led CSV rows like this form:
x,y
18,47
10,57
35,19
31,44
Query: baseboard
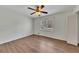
x,y
68,42
13,39
73,43
49,37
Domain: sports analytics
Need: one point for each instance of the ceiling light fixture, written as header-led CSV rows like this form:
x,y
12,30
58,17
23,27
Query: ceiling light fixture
x,y
38,10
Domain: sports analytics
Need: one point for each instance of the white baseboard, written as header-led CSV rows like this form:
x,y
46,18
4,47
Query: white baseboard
x,y
69,42
72,42
14,38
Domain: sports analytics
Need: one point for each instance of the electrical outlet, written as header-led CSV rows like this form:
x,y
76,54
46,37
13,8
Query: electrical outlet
x,y
38,33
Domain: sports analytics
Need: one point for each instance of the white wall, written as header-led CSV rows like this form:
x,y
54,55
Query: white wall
x,y
13,25
76,9
59,26
64,29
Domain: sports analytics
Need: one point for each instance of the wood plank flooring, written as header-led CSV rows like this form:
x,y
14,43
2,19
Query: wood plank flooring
x,y
37,44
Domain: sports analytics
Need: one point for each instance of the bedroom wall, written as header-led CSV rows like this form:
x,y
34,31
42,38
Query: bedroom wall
x,y
13,25
59,26
76,9
64,29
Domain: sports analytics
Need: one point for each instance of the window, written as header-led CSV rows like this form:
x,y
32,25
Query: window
x,y
47,24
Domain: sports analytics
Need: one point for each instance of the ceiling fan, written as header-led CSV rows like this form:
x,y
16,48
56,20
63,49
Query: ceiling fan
x,y
38,10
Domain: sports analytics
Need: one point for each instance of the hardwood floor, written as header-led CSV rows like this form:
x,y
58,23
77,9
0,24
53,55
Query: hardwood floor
x,y
38,44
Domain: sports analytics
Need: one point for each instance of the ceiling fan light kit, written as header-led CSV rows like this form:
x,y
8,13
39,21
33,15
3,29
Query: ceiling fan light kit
x,y
38,13
38,10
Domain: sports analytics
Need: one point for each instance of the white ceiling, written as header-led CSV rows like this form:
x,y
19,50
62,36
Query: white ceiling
x,y
51,9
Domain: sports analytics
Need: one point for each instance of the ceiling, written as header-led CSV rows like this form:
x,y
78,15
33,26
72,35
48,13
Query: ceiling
x,y
51,9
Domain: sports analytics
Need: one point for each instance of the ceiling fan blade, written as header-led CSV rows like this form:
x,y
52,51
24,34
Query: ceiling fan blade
x,y
44,12
42,6
37,6
33,13
31,8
